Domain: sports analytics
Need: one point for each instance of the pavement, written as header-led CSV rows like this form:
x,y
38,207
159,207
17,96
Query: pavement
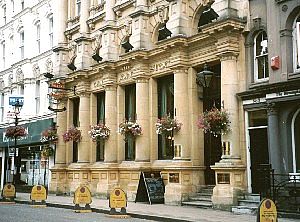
x,y
156,212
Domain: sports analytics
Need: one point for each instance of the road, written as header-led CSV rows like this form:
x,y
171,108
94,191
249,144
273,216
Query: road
x,y
26,213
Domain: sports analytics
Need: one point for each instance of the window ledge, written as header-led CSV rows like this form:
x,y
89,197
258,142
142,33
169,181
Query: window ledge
x,y
294,75
257,84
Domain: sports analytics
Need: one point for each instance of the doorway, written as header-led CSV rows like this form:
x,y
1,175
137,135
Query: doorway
x,y
259,156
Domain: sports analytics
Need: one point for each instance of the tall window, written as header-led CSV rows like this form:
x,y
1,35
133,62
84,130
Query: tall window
x,y
22,5
76,124
3,54
37,96
38,37
22,44
4,13
296,44
12,2
51,31
100,145
78,7
296,141
21,89
261,68
2,107
130,115
165,91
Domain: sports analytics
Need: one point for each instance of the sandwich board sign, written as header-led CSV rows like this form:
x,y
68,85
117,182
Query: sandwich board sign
x,y
267,211
38,196
82,196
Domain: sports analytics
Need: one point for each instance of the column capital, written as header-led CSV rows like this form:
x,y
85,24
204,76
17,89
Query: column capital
x,y
180,69
84,93
112,87
228,56
272,109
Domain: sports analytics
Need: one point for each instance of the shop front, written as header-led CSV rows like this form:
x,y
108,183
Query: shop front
x,y
31,165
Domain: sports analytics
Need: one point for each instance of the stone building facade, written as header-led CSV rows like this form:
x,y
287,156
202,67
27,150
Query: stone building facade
x,y
271,98
26,39
138,60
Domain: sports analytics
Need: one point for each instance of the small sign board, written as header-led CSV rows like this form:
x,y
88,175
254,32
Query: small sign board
x,y
9,191
267,211
151,188
38,195
82,195
12,100
117,199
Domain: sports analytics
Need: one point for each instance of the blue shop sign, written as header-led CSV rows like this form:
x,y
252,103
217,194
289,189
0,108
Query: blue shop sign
x,y
13,100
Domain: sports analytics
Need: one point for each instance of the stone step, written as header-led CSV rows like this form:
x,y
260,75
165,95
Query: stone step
x,y
200,198
203,194
249,203
200,204
244,210
255,197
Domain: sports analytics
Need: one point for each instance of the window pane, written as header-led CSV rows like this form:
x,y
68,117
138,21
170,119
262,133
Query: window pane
x,y
258,118
297,142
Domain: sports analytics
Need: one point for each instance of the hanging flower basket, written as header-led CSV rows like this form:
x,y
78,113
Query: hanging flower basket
x,y
215,121
72,134
49,135
129,128
166,125
99,131
47,151
15,132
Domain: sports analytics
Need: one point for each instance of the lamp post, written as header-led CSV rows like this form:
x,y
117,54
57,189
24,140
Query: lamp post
x,y
17,108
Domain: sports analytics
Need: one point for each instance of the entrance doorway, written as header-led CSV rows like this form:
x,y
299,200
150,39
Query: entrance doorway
x,y
212,144
259,156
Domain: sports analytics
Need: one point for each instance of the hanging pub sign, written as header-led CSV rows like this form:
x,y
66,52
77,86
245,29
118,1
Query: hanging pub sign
x,y
82,196
267,211
8,193
151,188
38,196
118,199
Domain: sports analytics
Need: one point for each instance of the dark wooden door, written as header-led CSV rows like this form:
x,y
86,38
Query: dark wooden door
x,y
259,155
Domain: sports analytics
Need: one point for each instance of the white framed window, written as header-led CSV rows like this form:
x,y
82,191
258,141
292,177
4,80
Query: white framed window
x,y
3,54
4,14
296,44
261,66
38,37
51,31
11,43
12,2
37,96
21,89
22,5
78,7
2,107
22,44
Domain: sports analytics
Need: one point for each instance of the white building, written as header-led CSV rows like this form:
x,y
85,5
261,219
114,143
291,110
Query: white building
x,y
26,40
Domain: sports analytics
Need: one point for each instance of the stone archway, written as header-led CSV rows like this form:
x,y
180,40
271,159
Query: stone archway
x,y
295,127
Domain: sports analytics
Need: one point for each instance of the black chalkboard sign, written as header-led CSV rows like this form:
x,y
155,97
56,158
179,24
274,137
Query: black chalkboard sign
x,y
151,188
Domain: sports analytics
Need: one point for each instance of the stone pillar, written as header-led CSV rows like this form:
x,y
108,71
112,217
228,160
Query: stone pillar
x,y
140,37
273,132
84,126
178,22
84,15
60,153
109,12
142,112
229,88
110,153
60,17
181,113
230,172
60,49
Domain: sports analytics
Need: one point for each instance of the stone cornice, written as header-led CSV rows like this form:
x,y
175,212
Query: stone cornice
x,y
281,1
123,6
60,48
83,39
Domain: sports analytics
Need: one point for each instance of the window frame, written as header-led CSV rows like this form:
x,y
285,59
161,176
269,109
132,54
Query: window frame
x,y
100,145
3,53
78,7
4,14
51,31
296,44
257,57
38,37
22,40
37,96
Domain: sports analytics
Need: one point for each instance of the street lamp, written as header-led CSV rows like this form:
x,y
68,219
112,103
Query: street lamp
x,y
17,109
204,77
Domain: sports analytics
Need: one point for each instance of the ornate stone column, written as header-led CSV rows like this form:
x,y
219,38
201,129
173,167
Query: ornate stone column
x,y
84,126
60,16
178,18
230,172
60,153
142,112
110,153
84,15
273,138
181,113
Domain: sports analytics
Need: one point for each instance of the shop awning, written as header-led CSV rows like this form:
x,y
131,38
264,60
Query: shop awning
x,y
34,129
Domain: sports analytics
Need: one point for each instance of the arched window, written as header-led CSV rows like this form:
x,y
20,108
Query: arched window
x,y
296,44
38,37
261,68
22,38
